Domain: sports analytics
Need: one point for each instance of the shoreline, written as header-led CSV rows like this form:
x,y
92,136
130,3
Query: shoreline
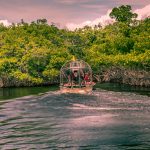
x,y
132,77
113,74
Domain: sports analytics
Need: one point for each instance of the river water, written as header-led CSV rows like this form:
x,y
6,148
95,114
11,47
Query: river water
x,y
103,119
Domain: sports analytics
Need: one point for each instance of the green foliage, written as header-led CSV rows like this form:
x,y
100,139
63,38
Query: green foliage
x,y
51,73
123,14
35,52
7,65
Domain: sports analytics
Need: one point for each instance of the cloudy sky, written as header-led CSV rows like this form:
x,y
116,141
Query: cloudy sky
x,y
70,13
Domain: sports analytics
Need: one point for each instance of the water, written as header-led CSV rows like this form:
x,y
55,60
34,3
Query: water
x,y
9,93
12,92
106,120
124,88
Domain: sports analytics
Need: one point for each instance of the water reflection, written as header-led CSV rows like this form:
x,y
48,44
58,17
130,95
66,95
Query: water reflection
x,y
124,88
101,120
12,92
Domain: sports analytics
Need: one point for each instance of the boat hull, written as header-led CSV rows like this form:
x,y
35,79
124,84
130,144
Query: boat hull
x,y
82,90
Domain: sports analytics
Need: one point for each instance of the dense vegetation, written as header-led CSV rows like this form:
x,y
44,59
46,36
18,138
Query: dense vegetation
x,y
32,54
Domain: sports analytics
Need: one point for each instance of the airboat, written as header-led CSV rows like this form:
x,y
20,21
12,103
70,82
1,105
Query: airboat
x,y
76,77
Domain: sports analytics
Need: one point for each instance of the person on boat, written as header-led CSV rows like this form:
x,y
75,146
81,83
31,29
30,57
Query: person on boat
x,y
82,75
86,78
68,74
75,76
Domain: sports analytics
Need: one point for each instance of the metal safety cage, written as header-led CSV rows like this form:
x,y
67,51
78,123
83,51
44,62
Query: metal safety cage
x,y
75,73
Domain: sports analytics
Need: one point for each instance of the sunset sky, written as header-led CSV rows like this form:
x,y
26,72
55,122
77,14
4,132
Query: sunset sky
x,y
68,13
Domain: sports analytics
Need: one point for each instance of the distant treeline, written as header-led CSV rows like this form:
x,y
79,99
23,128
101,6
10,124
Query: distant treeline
x,y
32,54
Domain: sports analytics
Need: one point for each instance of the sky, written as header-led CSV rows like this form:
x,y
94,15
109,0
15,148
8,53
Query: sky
x,y
67,13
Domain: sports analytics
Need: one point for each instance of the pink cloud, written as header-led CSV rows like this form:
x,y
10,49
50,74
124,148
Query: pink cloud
x,y
33,13
105,19
144,12
72,13
5,22
94,6
69,2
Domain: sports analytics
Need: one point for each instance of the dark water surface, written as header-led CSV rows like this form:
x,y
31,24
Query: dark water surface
x,y
15,92
124,88
9,93
102,120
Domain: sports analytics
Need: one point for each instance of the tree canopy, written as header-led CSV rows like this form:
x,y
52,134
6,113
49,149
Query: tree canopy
x,y
34,53
123,14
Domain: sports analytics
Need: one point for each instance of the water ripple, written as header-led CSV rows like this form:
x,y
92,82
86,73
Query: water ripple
x,y
100,120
